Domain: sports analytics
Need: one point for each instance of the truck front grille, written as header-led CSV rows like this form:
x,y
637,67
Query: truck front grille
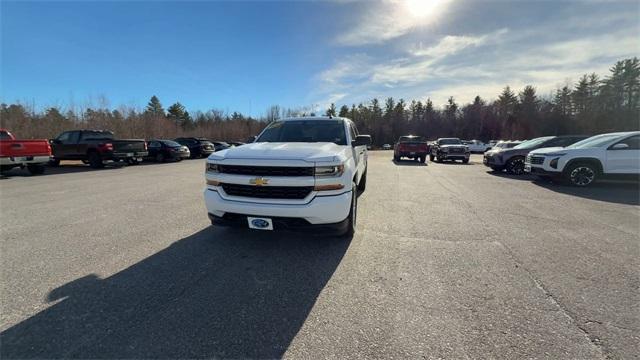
x,y
266,170
267,192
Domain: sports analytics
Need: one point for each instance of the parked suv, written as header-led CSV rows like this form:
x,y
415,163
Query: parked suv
x,y
300,174
513,159
581,164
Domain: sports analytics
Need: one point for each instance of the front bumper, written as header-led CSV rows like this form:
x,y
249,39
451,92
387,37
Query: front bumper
x,y
454,156
492,160
321,210
283,224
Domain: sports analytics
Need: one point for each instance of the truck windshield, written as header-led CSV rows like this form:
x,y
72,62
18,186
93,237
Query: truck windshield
x,y
305,131
449,142
406,139
4,135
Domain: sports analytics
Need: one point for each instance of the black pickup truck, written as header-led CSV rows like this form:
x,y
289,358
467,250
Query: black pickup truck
x,y
95,147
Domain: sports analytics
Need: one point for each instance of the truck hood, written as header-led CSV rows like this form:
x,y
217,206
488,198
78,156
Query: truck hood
x,y
311,152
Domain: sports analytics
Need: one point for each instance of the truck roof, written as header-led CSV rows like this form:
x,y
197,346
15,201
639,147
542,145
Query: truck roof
x,y
314,118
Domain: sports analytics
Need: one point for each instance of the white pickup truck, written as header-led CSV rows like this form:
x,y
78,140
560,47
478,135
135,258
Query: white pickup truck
x,y
300,174
582,163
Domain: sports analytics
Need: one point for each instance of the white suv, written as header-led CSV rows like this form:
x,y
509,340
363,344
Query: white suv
x,y
582,163
299,174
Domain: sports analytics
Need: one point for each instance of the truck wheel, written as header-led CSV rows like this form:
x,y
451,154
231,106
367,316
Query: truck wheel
x,y
363,182
423,158
431,157
396,158
54,162
465,161
351,229
95,160
36,169
580,174
515,165
438,159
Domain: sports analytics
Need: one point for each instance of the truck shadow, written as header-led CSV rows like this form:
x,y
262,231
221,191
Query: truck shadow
x,y
619,192
58,170
408,163
219,293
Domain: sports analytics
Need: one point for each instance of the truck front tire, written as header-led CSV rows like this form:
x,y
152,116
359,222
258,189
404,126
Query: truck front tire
x,y
351,228
362,185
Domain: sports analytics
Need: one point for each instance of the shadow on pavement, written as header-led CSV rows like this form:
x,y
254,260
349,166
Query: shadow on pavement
x,y
408,163
219,293
619,192
506,175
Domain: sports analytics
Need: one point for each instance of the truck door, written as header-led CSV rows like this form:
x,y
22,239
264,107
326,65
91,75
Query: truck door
x,y
623,157
64,145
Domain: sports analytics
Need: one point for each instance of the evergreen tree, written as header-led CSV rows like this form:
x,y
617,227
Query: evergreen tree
x,y
344,111
331,111
176,113
154,106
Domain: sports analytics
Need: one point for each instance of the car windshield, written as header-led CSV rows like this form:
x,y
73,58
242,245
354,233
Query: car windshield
x,y
449,142
170,143
594,141
404,139
305,131
530,144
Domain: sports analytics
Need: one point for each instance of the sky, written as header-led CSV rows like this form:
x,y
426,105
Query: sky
x,y
246,56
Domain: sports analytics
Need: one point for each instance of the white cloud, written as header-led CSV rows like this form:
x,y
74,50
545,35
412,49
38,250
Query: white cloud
x,y
464,66
452,44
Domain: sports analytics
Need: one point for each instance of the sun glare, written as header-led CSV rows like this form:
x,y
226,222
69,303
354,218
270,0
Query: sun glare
x,y
423,8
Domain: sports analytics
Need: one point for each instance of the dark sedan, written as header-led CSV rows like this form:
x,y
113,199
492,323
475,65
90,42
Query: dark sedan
x,y
199,147
164,150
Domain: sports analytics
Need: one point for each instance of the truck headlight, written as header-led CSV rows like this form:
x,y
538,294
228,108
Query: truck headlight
x,y
333,170
211,168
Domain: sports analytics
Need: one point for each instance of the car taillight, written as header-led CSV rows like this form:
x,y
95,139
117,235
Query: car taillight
x,y
145,146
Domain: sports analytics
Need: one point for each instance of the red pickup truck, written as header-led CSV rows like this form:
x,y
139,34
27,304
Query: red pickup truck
x,y
32,154
411,146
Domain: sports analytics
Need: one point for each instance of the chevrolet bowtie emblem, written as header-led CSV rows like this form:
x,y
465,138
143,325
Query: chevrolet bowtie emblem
x,y
259,181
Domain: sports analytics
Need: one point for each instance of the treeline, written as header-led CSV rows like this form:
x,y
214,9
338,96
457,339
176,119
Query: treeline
x,y
592,105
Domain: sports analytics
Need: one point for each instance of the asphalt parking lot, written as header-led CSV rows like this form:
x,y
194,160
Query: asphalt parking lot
x,y
448,261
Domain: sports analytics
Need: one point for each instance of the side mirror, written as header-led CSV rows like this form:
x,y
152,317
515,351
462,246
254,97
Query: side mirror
x,y
620,146
251,139
361,140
